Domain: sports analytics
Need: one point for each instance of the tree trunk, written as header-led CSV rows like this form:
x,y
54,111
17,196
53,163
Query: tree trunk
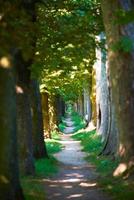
x,y
87,106
112,138
46,120
9,175
24,117
121,65
60,107
101,93
39,147
52,113
81,105
93,97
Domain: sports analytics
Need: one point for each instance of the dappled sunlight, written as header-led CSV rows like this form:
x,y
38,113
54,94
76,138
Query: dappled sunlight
x,y
122,167
88,184
4,179
69,142
5,62
67,186
19,90
74,196
70,188
55,73
78,54
1,16
122,150
65,180
74,180
53,185
75,174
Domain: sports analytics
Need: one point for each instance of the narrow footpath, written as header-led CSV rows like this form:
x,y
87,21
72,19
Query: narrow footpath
x,y
76,179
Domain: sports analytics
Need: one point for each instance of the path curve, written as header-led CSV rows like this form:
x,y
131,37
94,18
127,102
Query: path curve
x,y
76,179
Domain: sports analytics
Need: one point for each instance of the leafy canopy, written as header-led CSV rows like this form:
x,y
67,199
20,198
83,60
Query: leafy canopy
x,y
65,49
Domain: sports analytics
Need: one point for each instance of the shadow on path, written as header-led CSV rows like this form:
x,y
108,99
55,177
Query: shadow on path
x,y
76,179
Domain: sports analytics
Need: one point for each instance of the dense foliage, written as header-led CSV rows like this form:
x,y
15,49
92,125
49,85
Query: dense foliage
x,y
66,45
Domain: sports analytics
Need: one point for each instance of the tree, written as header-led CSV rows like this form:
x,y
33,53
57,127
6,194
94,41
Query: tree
x,y
117,16
9,174
64,65
46,120
37,119
24,117
101,91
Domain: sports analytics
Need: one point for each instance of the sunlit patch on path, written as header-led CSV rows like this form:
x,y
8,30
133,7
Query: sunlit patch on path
x,y
76,178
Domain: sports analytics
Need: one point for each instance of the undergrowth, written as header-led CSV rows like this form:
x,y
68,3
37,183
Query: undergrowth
x,y
33,186
118,188
78,122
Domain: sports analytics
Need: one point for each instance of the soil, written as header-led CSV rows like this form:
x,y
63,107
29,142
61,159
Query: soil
x,y
76,179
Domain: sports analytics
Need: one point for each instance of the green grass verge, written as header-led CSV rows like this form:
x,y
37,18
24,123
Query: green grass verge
x,y
53,146
55,135
118,188
78,122
33,187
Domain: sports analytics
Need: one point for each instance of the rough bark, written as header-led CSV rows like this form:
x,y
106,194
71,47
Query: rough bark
x,y
87,106
39,147
93,97
60,107
101,93
121,65
24,117
81,105
112,138
45,110
9,175
52,112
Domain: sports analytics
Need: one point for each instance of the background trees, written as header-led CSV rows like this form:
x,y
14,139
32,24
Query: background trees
x,y
65,50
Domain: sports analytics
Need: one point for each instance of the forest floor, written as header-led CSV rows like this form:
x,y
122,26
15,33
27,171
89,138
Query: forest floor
x,y
76,178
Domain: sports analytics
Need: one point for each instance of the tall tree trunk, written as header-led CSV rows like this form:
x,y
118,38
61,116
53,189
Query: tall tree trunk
x,y
60,107
121,65
81,105
24,117
39,147
93,97
101,93
52,112
87,106
9,175
46,120
112,138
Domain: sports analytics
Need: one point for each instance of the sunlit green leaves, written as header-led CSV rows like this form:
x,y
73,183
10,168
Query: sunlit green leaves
x,y
66,44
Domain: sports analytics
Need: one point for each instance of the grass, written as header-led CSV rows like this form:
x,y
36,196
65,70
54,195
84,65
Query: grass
x,y
78,122
33,186
55,135
53,146
118,188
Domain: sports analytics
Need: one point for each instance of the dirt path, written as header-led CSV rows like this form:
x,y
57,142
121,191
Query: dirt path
x,y
76,179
